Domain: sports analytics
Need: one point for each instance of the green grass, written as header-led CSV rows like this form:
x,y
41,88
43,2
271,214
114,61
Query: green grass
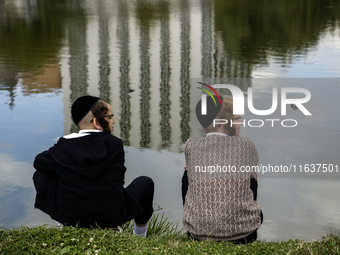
x,y
158,225
163,238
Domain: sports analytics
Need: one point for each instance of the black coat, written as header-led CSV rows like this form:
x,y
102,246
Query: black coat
x,y
80,181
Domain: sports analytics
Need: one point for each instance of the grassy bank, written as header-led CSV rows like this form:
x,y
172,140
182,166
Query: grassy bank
x,y
163,238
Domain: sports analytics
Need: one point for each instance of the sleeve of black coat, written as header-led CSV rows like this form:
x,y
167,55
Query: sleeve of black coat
x,y
43,162
115,147
122,155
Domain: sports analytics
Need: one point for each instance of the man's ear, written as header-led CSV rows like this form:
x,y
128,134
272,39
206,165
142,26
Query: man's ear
x,y
96,124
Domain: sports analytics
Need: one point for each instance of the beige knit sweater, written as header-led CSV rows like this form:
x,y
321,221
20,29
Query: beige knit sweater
x,y
219,203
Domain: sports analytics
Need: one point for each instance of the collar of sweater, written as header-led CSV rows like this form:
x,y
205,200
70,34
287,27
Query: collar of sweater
x,y
216,133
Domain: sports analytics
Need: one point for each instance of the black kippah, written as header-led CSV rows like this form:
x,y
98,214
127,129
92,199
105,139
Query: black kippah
x,y
82,106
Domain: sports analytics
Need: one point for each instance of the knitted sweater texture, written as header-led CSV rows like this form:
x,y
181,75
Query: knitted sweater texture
x,y
219,203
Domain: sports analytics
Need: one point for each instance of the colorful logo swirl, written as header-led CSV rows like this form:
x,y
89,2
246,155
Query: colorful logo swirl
x,y
209,93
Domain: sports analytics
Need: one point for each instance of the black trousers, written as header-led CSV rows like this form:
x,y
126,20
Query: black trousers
x,y
142,189
253,186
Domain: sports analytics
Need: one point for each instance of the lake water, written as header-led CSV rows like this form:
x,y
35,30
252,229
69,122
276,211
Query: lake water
x,y
51,53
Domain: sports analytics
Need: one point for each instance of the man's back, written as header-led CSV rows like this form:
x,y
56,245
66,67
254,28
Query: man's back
x,y
89,177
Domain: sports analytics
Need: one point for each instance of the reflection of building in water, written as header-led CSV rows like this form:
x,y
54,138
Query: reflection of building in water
x,y
47,80
185,69
104,52
164,88
8,81
145,76
207,39
123,38
155,52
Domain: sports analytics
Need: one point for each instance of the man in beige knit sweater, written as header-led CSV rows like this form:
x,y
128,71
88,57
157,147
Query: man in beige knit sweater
x,y
219,198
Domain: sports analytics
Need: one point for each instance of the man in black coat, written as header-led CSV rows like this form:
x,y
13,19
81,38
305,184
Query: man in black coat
x,y
79,181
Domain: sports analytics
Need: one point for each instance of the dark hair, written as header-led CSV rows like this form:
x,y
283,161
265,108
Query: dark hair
x,y
99,112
